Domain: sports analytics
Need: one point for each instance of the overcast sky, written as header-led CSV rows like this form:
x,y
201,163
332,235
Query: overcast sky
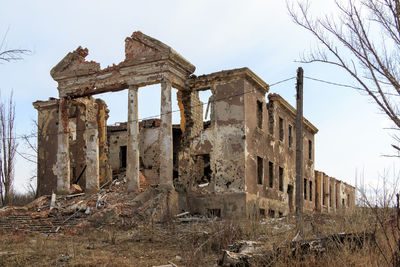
x,y
212,35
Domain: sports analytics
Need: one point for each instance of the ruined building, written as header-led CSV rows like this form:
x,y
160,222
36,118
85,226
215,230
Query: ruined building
x,y
241,162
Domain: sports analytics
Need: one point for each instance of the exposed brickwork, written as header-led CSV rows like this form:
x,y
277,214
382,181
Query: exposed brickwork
x,y
240,163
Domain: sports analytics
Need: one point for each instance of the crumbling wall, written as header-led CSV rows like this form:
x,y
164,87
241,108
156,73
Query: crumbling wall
x,y
77,143
217,146
308,170
227,205
191,126
149,148
105,174
229,133
117,137
48,120
271,152
47,145
333,195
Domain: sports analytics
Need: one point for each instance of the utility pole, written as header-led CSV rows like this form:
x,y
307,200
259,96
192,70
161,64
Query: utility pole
x,y
299,152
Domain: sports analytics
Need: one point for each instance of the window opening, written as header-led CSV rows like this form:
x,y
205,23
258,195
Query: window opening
x,y
271,174
259,114
280,179
260,170
280,129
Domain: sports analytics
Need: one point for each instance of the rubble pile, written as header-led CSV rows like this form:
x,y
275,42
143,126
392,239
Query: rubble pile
x,y
71,213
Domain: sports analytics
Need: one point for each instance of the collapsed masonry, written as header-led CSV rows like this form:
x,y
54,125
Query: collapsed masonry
x,y
240,163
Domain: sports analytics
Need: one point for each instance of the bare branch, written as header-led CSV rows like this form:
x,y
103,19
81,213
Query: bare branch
x,y
363,38
13,54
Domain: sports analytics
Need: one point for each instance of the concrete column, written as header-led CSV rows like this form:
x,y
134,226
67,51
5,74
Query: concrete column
x,y
165,137
132,168
338,201
63,163
318,190
326,195
92,157
333,195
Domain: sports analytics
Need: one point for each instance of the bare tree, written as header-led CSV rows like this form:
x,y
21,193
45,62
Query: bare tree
x,y
29,153
363,38
7,150
8,144
7,55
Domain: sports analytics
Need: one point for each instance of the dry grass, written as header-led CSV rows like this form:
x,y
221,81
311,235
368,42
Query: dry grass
x,y
22,199
196,244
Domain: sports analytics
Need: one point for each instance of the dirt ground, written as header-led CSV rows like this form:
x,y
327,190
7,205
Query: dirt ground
x,y
177,243
144,245
116,229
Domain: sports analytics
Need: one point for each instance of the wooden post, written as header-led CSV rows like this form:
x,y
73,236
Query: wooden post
x,y
299,152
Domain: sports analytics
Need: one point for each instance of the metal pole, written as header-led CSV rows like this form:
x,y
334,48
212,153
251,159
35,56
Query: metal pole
x,y
299,152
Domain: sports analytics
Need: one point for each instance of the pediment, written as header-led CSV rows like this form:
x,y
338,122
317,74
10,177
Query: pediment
x,y
139,49
74,62
140,46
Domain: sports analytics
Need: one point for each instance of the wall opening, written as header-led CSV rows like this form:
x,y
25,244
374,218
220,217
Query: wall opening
x,y
122,157
309,149
271,174
271,213
323,191
305,188
214,212
290,193
260,170
262,213
205,97
270,122
280,129
290,136
280,179
310,194
259,114
206,167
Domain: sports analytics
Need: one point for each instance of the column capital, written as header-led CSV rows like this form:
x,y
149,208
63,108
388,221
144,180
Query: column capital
x,y
166,82
133,87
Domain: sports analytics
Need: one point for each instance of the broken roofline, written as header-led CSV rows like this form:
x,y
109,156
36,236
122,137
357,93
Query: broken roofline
x,y
205,82
292,111
147,61
337,180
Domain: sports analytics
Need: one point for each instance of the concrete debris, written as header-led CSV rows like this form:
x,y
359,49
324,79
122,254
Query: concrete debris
x,y
52,201
74,195
297,238
320,245
186,217
75,189
246,253
249,253
87,211
182,214
69,214
170,264
64,259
